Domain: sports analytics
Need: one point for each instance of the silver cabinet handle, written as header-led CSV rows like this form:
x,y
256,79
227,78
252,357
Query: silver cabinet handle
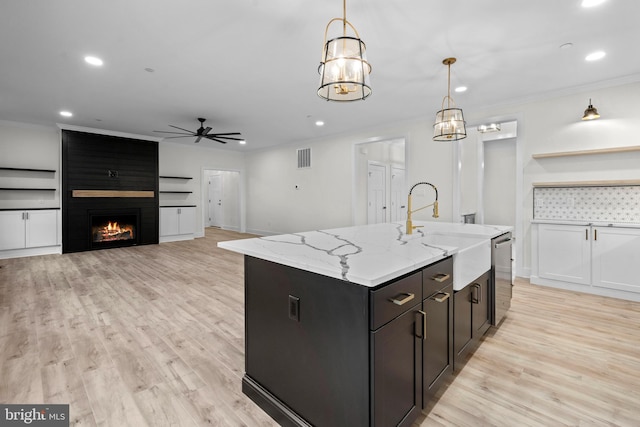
x,y
441,277
407,297
505,242
445,296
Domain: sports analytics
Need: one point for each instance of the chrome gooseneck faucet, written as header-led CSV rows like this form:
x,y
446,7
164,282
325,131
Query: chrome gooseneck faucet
x,y
410,225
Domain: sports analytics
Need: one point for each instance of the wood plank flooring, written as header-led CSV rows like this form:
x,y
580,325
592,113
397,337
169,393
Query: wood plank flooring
x,y
154,335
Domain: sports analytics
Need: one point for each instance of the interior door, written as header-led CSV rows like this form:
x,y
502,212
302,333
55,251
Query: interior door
x,y
398,196
376,194
215,211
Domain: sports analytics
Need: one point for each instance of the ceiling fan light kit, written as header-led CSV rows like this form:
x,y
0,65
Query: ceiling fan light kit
x,y
202,132
449,125
344,70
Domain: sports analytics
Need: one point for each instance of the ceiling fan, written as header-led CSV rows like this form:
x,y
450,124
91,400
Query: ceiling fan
x,y
202,132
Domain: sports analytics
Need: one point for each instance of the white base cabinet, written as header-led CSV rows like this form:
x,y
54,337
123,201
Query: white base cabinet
x,y
616,258
25,232
603,260
177,223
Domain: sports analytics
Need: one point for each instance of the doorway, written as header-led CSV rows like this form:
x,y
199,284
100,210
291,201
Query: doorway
x,y
379,184
222,199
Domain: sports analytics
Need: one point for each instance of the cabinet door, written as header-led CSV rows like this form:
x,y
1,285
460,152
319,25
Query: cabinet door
x,y
12,230
480,306
397,370
462,328
437,349
187,220
41,228
169,222
564,253
616,258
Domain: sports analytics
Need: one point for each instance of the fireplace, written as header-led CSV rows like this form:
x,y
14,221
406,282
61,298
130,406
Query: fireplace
x,y
111,229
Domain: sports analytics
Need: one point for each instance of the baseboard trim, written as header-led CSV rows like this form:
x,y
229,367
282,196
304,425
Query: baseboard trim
x,y
276,409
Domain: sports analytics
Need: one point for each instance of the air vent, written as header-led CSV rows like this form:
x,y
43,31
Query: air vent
x,y
304,158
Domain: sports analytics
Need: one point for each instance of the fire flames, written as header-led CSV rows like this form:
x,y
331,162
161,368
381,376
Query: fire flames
x,y
113,231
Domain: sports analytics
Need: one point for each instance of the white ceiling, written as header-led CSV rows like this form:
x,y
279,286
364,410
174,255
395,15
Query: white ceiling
x,y
251,65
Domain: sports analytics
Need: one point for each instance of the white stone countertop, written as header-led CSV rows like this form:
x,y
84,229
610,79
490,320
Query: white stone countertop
x,y
368,255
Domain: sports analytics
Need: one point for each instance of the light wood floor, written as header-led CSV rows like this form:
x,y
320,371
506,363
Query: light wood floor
x,y
153,335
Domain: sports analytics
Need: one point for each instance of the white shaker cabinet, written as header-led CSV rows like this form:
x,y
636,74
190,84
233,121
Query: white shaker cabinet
x,y
177,223
564,253
28,229
603,260
616,258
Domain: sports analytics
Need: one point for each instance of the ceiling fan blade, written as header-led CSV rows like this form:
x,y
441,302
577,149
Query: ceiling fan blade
x,y
217,135
198,138
186,130
177,133
181,136
216,139
206,130
228,133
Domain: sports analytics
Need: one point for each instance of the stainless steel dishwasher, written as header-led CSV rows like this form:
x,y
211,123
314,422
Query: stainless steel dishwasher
x,y
501,265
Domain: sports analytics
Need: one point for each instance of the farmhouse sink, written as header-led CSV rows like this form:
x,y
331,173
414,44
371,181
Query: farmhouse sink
x,y
471,256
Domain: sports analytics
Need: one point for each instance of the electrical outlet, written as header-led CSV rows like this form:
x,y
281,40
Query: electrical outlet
x,y
539,203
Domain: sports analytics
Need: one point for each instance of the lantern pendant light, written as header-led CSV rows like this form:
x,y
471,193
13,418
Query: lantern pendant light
x,y
449,125
344,70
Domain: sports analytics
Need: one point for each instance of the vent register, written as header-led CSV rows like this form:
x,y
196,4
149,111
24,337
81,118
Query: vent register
x,y
304,158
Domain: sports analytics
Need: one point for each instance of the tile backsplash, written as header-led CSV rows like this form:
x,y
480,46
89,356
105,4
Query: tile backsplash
x,y
615,204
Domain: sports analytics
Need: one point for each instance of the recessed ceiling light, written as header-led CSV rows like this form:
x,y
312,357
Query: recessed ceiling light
x,y
66,113
243,142
460,89
93,60
591,3
566,46
319,123
595,56
149,70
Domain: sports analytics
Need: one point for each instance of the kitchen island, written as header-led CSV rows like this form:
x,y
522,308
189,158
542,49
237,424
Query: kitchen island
x,y
354,326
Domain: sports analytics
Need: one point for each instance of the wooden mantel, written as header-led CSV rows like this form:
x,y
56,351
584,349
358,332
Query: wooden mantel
x,y
112,193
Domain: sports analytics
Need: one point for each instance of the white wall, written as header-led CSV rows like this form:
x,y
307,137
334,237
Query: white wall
x,y
554,125
325,194
33,147
192,161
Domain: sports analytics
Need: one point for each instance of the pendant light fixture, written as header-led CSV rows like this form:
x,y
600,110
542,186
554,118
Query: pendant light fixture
x,y
449,125
590,113
344,70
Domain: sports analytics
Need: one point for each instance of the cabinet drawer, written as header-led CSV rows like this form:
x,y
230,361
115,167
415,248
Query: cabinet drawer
x,y
394,299
437,276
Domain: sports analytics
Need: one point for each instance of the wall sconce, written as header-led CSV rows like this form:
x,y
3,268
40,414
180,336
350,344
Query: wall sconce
x,y
491,127
591,113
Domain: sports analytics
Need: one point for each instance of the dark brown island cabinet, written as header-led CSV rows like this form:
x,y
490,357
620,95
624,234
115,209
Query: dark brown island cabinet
x,y
472,317
326,352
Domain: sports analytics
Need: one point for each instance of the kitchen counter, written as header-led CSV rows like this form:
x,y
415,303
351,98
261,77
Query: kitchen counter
x,y
367,255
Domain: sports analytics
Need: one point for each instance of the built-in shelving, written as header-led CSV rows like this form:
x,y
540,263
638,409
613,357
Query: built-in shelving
x,y
610,150
175,177
28,170
608,183
27,189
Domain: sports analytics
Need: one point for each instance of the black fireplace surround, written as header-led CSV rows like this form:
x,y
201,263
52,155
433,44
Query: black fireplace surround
x,y
108,180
